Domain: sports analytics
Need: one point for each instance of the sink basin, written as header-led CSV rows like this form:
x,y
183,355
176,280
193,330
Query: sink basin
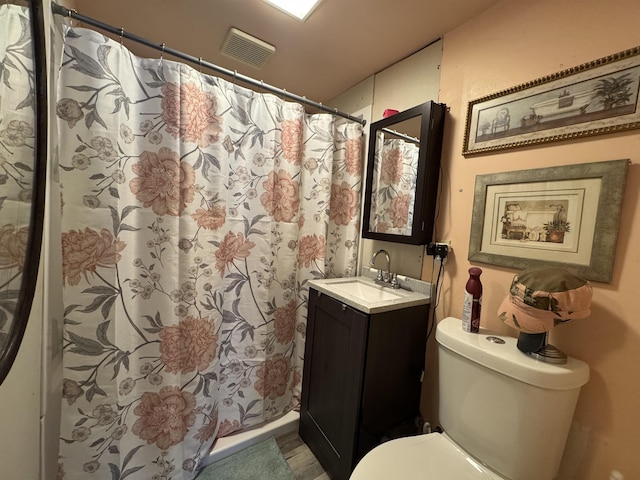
x,y
364,294
366,291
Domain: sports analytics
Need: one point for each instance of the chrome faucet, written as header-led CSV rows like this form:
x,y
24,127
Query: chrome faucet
x,y
386,277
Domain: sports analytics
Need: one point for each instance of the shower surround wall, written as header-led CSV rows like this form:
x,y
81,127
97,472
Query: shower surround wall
x,y
193,214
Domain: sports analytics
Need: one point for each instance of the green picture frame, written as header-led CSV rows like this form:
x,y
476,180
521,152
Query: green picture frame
x,y
517,217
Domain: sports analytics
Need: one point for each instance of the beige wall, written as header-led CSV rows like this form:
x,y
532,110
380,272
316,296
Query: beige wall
x,y
510,44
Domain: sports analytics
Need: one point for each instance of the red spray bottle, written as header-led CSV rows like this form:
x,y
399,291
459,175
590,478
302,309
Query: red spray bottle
x,y
472,302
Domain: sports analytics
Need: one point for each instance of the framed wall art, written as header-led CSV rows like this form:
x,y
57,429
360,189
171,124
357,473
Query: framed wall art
x,y
594,98
563,216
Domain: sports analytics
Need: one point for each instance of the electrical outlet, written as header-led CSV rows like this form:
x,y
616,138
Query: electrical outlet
x,y
442,250
439,249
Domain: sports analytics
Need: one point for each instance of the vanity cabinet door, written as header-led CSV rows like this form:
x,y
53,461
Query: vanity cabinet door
x,y
332,382
361,380
393,371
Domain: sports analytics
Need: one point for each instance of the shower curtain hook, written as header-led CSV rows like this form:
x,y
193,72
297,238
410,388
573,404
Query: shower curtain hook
x,y
70,13
200,64
121,35
162,52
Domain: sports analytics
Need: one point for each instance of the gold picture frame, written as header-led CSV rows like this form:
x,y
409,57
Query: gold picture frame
x,y
595,98
565,216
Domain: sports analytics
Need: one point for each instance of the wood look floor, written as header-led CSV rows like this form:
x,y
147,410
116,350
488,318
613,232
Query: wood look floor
x,y
300,459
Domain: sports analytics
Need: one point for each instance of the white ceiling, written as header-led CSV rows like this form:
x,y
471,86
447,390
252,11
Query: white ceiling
x,y
340,44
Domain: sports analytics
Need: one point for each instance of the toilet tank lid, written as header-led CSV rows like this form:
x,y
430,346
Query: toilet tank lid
x,y
505,358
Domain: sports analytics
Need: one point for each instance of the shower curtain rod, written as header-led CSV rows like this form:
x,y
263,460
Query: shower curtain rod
x,y
63,11
401,135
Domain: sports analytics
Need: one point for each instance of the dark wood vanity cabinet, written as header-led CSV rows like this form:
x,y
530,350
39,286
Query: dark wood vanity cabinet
x,y
362,379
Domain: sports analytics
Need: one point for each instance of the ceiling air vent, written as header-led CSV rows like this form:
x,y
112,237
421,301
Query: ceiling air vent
x,y
247,48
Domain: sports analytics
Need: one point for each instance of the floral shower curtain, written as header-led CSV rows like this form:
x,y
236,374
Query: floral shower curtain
x,y
194,212
17,118
394,188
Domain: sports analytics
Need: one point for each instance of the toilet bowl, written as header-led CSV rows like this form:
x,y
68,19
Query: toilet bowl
x,y
432,456
505,415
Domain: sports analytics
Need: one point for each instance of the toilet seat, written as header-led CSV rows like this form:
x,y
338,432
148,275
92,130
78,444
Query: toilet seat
x,y
433,456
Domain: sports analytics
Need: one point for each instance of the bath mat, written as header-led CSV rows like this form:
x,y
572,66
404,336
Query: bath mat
x,y
262,461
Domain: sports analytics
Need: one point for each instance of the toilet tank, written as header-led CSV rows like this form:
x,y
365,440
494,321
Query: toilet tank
x,y
507,409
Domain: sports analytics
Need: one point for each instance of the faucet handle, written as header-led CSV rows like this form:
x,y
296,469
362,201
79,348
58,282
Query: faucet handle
x,y
394,280
380,277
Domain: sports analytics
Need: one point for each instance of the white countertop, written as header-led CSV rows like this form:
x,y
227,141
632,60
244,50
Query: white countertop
x,y
364,294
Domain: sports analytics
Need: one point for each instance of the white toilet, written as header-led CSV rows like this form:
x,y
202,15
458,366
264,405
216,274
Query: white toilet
x,y
505,415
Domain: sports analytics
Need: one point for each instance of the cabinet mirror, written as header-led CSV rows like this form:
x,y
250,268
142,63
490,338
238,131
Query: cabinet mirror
x,y
402,175
23,150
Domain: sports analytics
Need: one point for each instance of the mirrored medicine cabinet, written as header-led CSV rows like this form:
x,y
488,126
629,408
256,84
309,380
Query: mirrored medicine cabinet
x,y
23,157
402,175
